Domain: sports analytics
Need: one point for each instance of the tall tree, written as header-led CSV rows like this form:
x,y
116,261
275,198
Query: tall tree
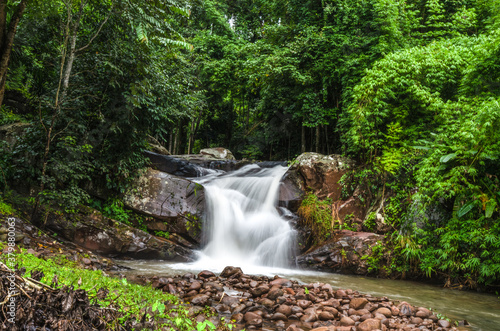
x,y
10,14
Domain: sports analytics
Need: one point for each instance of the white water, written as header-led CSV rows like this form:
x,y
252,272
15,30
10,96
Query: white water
x,y
243,227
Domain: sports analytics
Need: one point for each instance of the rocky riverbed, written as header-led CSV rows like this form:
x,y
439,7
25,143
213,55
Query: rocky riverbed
x,y
264,303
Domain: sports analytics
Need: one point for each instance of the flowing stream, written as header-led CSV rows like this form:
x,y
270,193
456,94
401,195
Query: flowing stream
x,y
243,228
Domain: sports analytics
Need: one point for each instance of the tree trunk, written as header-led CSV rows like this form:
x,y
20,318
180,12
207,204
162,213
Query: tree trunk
x,y
317,138
171,137
191,135
176,139
288,151
327,143
194,128
7,34
303,140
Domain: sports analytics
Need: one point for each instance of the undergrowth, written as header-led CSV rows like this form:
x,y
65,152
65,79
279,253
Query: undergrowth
x,y
133,301
317,215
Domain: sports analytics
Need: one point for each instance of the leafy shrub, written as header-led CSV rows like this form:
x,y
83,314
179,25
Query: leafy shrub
x,y
317,215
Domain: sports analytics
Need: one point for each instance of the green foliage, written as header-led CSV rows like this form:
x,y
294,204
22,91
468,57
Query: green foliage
x,y
317,215
8,117
6,208
114,209
134,301
163,234
374,260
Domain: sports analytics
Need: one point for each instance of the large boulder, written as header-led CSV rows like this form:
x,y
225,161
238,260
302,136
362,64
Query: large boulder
x,y
175,165
191,165
291,192
342,253
105,236
321,173
177,204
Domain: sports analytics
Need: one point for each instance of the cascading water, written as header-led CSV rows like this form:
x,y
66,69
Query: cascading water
x,y
243,226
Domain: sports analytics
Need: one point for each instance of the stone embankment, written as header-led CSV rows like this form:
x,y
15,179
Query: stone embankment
x,y
263,303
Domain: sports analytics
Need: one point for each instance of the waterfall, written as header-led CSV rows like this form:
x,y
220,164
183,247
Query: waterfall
x,y
242,225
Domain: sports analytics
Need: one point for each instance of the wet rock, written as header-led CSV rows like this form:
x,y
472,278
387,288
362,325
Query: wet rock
x,y
213,286
280,325
266,302
303,303
230,271
294,327
405,309
279,316
205,274
443,323
331,303
252,318
384,311
223,309
309,316
346,321
423,313
416,320
178,201
260,290
200,299
339,294
332,310
281,282
194,286
341,253
171,289
284,309
274,293
326,316
230,300
191,293
237,318
102,235
358,303
369,325
365,317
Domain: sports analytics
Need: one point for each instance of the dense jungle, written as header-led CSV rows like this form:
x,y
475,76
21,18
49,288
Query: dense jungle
x,y
94,93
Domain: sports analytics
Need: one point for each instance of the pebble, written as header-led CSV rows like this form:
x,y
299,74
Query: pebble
x,y
280,304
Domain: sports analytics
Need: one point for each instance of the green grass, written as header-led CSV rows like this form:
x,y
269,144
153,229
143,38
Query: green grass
x,y
6,208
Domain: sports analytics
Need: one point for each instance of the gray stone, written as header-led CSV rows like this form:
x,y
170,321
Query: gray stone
x,y
218,153
177,201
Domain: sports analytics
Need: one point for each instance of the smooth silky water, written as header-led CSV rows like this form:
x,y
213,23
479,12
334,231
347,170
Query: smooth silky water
x,y
243,228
